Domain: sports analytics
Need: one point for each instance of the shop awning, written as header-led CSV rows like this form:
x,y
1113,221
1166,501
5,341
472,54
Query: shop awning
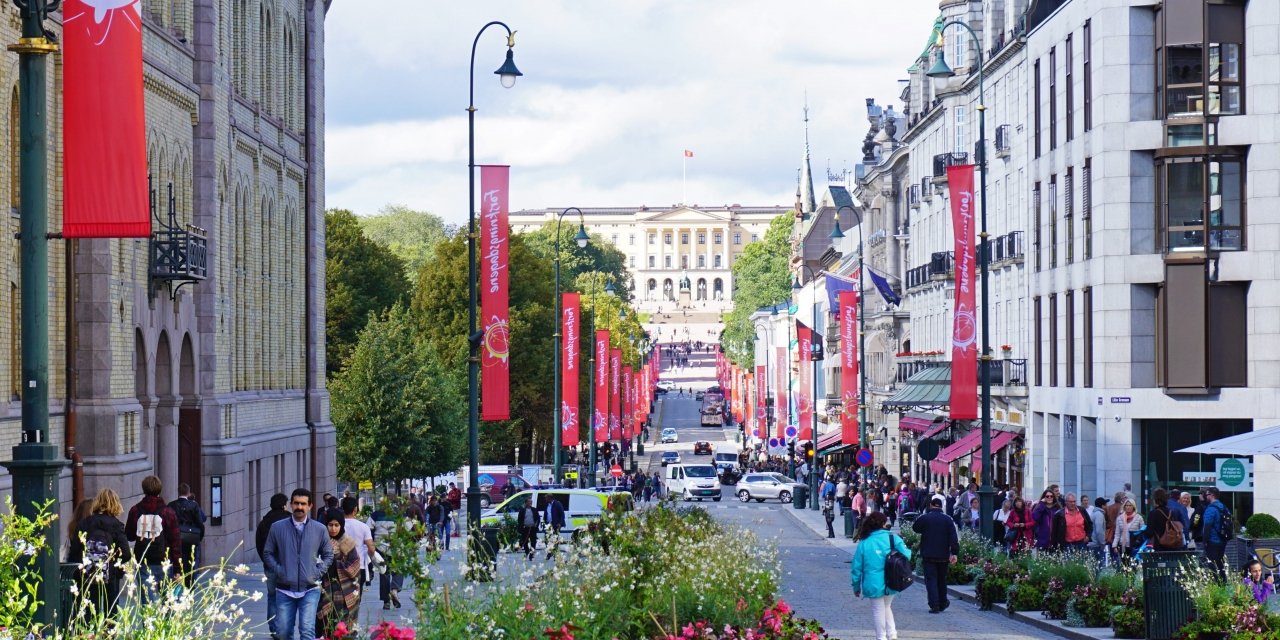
x,y
916,421
960,448
1261,442
830,443
999,440
938,427
927,389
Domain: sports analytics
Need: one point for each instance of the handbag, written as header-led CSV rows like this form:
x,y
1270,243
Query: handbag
x,y
1010,535
898,573
1172,536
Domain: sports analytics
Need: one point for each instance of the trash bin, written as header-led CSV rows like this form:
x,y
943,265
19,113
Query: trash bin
x,y
67,600
1167,605
850,523
800,499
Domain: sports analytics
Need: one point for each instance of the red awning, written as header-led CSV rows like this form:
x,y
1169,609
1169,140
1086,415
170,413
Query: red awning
x,y
911,423
958,449
935,429
998,441
828,439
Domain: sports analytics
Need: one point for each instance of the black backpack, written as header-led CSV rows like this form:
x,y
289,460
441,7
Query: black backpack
x,y
189,525
97,544
898,572
1226,525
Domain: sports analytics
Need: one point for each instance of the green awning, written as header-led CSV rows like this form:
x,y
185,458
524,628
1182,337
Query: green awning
x,y
927,389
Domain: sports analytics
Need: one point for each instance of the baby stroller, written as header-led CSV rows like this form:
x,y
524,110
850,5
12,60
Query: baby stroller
x,y
906,519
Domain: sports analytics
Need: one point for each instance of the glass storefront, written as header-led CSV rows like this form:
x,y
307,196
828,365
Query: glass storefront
x,y
1161,467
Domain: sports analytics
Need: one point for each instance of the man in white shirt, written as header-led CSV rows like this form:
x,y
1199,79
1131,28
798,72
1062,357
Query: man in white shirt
x,y
362,534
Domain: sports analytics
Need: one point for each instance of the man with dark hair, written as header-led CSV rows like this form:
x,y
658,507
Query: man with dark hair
x,y
298,553
190,529
939,546
1215,530
152,526
363,536
276,513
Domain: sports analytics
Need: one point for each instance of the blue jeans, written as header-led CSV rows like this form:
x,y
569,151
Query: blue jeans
x,y
297,615
271,602
154,574
443,534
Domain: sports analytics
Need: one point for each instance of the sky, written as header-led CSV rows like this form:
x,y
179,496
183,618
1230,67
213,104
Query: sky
x,y
613,93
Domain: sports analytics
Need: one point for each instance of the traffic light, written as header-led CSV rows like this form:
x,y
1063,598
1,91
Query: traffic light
x,y
791,448
808,451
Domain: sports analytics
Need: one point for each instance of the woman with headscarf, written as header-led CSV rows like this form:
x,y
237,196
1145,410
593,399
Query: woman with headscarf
x,y
340,587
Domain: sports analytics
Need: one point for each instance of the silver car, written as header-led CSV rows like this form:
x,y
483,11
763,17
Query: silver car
x,y
766,486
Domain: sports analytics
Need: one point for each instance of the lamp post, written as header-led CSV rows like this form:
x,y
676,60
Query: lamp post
x,y
507,73
813,399
581,239
986,492
36,460
863,428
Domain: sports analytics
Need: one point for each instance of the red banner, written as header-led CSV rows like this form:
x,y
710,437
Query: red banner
x,y
628,402
600,419
964,331
570,368
762,395
495,349
804,398
781,409
849,367
615,399
104,137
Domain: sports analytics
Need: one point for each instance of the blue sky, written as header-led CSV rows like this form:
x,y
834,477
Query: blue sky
x,y
613,92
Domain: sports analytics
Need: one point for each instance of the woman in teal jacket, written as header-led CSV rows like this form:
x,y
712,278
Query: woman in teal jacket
x,y
867,573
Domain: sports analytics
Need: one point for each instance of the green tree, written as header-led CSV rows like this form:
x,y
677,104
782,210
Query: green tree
x,y
598,256
762,278
411,235
395,406
362,277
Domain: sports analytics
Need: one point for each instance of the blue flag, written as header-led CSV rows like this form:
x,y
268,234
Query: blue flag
x,y
836,284
886,291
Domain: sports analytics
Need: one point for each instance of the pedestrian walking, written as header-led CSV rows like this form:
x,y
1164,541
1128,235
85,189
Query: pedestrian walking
x,y
939,548
435,520
1218,528
191,520
829,514
866,573
383,522
152,527
340,587
1163,528
1128,523
971,516
446,523
1019,528
276,513
1043,514
362,534
1071,526
528,520
997,527
1098,537
99,545
1179,512
297,553
555,522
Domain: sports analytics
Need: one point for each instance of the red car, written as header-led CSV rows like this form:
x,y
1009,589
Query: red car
x,y
702,448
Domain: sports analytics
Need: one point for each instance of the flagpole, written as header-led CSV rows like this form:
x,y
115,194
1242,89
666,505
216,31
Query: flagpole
x,y
684,178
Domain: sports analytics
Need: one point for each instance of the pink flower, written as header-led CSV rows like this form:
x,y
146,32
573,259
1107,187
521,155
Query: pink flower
x,y
741,606
782,608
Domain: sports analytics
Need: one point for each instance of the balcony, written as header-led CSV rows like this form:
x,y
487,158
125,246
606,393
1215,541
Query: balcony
x,y
926,191
913,196
917,277
179,254
1006,249
941,265
1004,141
910,365
944,160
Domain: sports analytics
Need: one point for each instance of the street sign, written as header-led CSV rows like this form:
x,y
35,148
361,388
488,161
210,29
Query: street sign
x,y
792,432
1234,474
773,442
927,449
571,475
616,471
365,485
864,457
877,442
1121,399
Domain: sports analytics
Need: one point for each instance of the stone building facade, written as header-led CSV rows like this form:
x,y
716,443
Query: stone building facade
x,y
219,383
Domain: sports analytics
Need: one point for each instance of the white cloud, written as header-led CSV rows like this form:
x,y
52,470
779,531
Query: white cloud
x,y
613,92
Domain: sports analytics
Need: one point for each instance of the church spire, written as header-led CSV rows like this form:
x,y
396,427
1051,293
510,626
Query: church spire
x,y
806,200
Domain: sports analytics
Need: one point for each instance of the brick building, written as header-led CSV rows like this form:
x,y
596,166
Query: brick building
x,y
217,382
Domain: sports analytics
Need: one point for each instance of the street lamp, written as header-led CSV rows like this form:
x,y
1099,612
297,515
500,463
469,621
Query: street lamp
x,y
814,349
940,69
591,388
507,73
581,238
863,430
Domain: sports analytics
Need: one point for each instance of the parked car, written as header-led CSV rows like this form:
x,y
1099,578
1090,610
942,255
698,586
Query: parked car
x,y
670,457
669,435
702,448
766,486
666,385
581,506
493,487
660,391
699,395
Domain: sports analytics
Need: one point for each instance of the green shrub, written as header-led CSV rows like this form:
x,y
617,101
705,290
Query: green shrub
x,y
1025,594
1262,525
1128,621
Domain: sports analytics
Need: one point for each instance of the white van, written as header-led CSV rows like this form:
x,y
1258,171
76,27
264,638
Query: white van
x,y
726,455
691,481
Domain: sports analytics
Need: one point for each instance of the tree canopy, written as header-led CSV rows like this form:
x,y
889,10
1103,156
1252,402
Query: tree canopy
x,y
599,255
362,277
410,234
762,278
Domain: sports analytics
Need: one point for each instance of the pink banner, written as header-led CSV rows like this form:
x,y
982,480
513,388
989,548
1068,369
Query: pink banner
x,y
762,396
849,367
600,419
964,333
570,369
495,349
615,399
804,398
628,402
780,400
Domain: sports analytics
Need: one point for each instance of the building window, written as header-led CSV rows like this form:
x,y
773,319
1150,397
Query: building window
x,y
962,130
1070,106
1186,187
959,51
702,238
1036,224
1053,98
1068,211
653,238
1053,221
1086,206
1037,345
1200,58
1070,316
1201,330
614,239
653,261
719,238
684,238
1087,302
632,240
1053,339
755,237
684,262
1036,106
666,261
717,261
702,262
1088,76
632,262
666,238
737,238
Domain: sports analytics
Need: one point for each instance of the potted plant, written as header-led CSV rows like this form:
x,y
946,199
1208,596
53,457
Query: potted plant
x,y
1006,350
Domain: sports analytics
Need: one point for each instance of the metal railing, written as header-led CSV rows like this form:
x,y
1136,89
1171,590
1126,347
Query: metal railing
x,y
1003,138
913,196
917,276
1006,247
944,160
941,264
909,368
